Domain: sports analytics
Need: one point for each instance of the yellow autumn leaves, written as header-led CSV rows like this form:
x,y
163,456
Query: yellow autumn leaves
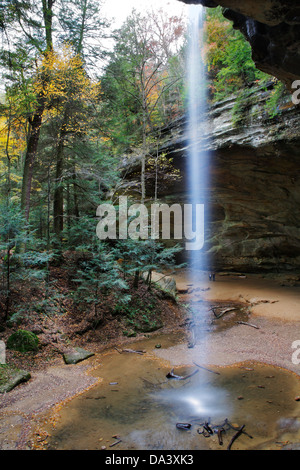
x,y
61,83
61,78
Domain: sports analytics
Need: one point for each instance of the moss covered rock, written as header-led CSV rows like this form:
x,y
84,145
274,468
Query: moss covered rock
x,y
10,377
23,341
76,355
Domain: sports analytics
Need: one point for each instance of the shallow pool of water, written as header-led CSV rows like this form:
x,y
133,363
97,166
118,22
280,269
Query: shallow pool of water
x,y
135,406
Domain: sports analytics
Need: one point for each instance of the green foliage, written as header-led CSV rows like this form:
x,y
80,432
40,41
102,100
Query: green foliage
x,y
229,58
94,271
272,103
97,275
22,262
28,265
142,83
137,256
141,315
79,19
23,341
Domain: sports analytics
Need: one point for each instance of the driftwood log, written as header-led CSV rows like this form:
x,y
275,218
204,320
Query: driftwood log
x,y
129,351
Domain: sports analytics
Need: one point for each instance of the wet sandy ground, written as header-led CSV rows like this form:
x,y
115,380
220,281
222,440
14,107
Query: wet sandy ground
x,y
274,309
20,407
136,406
275,298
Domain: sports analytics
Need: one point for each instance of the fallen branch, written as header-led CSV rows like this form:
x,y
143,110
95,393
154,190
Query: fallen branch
x,y
248,324
240,431
208,370
207,428
226,310
226,422
115,443
220,439
133,351
171,375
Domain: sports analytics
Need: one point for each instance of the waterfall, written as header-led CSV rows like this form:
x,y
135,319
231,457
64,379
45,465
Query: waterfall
x,y
197,157
199,397
196,108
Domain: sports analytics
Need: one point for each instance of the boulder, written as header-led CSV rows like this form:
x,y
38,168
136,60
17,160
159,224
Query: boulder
x,y
166,283
23,341
11,377
76,355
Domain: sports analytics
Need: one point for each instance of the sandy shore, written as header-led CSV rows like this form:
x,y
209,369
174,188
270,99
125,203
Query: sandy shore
x,y
274,298
20,408
275,310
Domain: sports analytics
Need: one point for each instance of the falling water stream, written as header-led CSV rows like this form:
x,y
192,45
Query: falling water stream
x,y
135,405
197,157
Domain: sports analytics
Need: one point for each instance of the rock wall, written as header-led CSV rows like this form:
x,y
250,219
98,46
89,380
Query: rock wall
x,y
253,186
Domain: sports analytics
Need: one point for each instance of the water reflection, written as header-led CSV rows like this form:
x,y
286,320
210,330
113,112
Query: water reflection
x,y
143,408
195,400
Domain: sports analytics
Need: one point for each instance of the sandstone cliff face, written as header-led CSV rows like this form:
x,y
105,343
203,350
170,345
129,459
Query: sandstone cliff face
x,y
252,197
253,187
272,27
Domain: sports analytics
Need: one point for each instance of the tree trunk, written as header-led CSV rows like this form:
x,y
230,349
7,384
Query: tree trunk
x,y
143,163
82,27
30,156
7,300
36,120
75,197
48,15
136,279
58,200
